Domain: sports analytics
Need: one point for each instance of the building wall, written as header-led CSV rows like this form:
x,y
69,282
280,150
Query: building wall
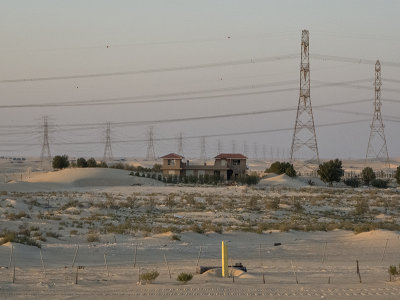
x,y
174,169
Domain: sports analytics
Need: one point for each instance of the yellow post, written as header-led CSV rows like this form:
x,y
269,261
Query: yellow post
x,y
225,272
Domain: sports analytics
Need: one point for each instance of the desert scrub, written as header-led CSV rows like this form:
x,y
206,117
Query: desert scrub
x,y
175,237
184,277
13,216
272,204
149,277
52,234
18,237
93,237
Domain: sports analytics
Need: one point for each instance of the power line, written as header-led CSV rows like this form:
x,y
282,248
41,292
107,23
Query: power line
x,y
353,60
79,126
146,99
155,70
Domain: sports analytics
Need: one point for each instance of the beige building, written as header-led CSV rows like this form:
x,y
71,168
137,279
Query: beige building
x,y
228,166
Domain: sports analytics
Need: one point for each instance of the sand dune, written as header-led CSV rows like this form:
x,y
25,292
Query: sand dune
x,y
79,178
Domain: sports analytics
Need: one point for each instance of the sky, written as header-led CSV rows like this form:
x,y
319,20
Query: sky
x,y
206,58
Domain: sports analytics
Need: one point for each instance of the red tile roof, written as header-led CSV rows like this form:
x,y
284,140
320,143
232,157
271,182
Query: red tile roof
x,y
172,156
230,156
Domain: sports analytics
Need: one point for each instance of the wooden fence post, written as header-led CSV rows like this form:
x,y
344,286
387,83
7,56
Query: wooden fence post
x,y
166,262
76,254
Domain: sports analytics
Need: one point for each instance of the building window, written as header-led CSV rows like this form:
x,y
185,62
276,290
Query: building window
x,y
171,162
223,163
236,162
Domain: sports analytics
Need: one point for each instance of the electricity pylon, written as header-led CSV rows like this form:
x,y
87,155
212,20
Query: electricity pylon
x,y
203,155
304,143
180,144
150,154
108,155
45,154
377,147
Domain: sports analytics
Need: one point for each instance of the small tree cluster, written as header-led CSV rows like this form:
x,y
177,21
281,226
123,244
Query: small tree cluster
x,y
331,171
352,182
282,168
368,175
60,162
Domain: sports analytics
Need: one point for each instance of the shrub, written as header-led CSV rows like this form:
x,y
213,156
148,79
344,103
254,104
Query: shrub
x,y
331,171
297,206
149,277
156,168
379,183
352,182
91,163
175,237
22,237
52,234
273,204
196,228
281,168
362,207
93,237
60,162
248,179
184,277
397,175
367,175
81,163
102,164
393,271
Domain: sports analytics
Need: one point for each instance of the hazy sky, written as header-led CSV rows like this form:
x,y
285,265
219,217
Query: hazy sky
x,y
52,39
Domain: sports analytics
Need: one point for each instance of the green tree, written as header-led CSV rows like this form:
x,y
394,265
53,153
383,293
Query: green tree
x,y
60,162
397,175
157,168
281,168
367,175
331,171
91,163
81,163
290,171
102,164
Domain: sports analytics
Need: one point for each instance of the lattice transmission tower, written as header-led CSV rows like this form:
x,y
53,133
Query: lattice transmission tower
x,y
180,144
45,155
150,154
108,155
219,147
203,155
304,143
377,147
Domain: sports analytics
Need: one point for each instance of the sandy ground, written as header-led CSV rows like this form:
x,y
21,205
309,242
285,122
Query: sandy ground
x,y
322,263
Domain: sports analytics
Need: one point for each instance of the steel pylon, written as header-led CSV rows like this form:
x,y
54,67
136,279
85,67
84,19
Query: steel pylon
x,y
304,142
377,147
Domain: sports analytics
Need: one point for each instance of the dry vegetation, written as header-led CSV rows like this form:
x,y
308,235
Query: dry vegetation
x,y
35,217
